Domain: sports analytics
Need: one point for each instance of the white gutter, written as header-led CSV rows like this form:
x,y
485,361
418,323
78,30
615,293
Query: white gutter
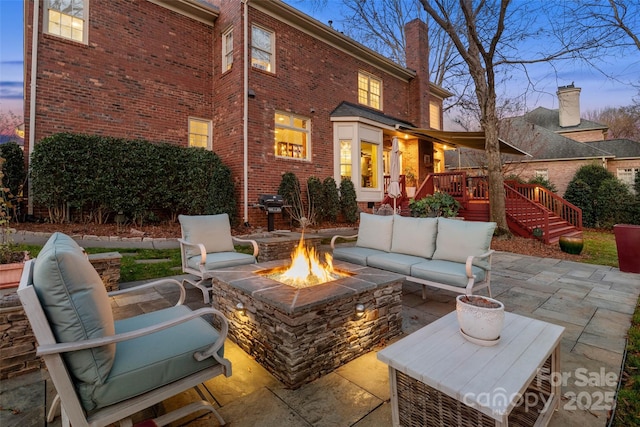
x,y
245,118
32,90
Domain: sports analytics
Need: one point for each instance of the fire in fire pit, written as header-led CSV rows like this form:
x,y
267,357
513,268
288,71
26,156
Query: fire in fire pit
x,y
305,269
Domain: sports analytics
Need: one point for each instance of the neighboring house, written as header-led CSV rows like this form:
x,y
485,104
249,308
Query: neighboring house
x,y
266,87
559,142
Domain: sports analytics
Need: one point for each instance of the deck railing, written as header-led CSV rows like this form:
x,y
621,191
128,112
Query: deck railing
x,y
527,214
551,201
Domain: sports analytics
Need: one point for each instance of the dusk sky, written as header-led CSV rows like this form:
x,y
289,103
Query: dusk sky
x,y
597,91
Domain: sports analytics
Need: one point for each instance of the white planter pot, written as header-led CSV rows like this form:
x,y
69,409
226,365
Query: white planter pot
x,y
411,192
482,323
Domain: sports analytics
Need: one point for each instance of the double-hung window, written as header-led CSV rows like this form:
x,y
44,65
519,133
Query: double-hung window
x,y
292,136
262,49
200,133
434,115
227,50
369,90
67,19
628,176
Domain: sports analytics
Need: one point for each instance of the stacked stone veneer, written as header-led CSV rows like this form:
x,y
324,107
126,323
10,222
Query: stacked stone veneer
x,y
280,246
300,335
18,345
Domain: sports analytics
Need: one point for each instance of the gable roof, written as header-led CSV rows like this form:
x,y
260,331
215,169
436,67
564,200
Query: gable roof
x,y
621,148
545,144
550,119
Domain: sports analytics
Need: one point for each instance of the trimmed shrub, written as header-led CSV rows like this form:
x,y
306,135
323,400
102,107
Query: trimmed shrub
x,y
348,201
614,202
331,199
316,197
13,167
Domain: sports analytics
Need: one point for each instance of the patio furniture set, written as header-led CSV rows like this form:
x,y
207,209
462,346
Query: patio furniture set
x,y
105,370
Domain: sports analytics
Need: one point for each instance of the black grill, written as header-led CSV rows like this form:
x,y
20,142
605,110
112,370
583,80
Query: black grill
x,y
271,204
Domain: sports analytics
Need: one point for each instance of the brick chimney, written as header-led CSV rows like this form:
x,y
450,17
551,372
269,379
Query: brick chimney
x,y
417,41
569,105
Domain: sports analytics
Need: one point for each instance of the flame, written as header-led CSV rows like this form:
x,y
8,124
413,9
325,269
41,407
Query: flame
x,y
306,269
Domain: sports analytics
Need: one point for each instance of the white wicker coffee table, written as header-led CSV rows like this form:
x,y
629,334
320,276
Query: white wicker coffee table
x,y
438,378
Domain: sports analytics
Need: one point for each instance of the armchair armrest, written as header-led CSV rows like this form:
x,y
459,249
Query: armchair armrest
x,y
334,238
158,282
470,259
253,243
97,342
183,248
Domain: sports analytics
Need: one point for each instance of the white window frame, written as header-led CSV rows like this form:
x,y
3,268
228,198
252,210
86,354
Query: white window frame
x,y
227,51
369,78
208,136
435,115
628,176
257,62
51,12
290,126
542,173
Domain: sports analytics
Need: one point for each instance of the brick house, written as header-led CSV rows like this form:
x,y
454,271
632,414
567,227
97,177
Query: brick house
x,y
559,143
266,87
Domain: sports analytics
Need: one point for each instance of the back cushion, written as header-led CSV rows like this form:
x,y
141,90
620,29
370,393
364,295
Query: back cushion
x,y
414,236
458,239
76,304
375,231
213,231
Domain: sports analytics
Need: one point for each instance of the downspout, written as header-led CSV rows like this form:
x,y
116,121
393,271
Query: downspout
x,y
245,118
32,90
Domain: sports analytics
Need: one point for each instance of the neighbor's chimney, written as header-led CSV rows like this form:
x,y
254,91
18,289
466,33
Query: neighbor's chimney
x,y
569,104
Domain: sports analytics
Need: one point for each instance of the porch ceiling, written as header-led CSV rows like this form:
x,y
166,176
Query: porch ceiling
x,y
475,140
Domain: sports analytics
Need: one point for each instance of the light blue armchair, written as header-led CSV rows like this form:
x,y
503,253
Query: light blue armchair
x,y
103,370
206,246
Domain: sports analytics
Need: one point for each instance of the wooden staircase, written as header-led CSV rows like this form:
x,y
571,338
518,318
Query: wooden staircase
x,y
532,211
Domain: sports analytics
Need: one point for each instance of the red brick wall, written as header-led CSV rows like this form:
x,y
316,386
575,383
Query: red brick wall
x,y
144,71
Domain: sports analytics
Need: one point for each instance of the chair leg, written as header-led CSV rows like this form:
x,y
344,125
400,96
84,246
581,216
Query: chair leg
x,y
54,410
200,285
186,410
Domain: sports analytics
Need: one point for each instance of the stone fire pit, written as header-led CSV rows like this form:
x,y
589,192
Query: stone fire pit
x,y
300,335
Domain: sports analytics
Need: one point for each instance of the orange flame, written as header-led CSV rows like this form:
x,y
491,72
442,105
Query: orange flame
x,y
306,269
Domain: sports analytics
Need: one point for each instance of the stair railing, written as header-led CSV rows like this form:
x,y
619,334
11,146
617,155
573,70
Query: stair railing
x,y
528,215
556,204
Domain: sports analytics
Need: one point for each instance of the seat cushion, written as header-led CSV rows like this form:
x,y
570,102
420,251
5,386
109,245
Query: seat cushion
x,y
355,254
218,260
414,236
447,272
374,231
213,231
146,363
456,240
76,304
398,263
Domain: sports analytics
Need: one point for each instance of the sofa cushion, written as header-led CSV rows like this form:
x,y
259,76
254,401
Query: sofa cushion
x,y
213,231
355,254
398,263
414,236
145,363
218,260
374,231
457,240
447,272
76,304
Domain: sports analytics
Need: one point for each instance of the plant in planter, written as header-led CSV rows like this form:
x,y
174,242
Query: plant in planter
x,y
12,258
480,318
435,205
410,181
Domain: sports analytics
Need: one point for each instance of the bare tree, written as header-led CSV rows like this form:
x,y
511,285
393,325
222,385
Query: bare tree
x,y
623,122
497,36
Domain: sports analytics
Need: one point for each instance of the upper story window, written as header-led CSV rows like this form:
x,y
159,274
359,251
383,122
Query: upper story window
x,y
542,173
67,19
227,50
435,115
628,176
292,136
200,133
369,90
262,49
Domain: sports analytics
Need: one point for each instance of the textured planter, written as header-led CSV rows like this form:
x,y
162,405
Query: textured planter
x,y
10,274
481,317
628,245
571,244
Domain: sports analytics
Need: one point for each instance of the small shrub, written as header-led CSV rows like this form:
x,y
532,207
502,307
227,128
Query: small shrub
x,y
316,197
435,205
331,199
348,201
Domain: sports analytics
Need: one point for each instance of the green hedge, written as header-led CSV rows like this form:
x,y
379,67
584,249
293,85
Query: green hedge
x,y
92,178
